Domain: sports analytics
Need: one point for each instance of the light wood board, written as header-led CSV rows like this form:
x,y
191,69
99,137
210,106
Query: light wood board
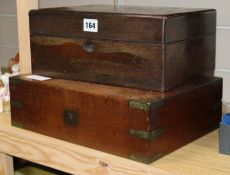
x,y
23,7
6,165
201,157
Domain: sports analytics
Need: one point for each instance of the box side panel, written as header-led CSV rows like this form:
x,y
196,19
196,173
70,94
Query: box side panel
x,y
187,116
190,26
189,59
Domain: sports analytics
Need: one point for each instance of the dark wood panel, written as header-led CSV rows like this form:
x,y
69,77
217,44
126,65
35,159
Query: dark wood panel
x,y
115,63
202,110
105,116
188,60
141,24
127,64
195,25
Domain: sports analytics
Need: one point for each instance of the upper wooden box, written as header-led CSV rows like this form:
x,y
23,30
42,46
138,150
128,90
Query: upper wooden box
x,y
139,47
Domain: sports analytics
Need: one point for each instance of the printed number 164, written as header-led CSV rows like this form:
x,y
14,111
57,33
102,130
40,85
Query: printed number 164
x,y
90,25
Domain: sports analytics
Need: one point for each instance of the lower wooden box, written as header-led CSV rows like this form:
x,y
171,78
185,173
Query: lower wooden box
x,y
137,124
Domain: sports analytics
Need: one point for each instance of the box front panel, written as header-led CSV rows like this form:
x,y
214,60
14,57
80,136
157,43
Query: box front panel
x,y
136,65
93,121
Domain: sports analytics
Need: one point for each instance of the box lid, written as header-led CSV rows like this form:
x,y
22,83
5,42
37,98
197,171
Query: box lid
x,y
156,25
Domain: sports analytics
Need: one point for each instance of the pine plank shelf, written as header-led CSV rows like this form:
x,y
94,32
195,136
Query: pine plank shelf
x,y
201,157
65,156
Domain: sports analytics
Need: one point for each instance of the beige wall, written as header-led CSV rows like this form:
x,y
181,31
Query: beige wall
x,y
8,31
60,3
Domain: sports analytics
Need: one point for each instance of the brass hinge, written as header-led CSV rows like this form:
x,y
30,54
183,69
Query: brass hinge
x,y
146,135
146,159
146,105
16,104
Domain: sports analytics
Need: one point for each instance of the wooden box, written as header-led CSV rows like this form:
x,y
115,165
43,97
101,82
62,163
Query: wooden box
x,y
137,47
137,124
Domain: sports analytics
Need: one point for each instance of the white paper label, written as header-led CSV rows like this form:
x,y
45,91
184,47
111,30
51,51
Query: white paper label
x,y
90,25
37,77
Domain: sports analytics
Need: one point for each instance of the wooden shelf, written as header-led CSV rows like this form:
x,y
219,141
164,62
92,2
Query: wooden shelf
x,y
201,157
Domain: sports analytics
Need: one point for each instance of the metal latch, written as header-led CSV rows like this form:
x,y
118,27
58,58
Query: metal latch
x,y
71,117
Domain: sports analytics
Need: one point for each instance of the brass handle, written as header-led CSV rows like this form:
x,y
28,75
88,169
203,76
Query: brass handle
x,y
89,47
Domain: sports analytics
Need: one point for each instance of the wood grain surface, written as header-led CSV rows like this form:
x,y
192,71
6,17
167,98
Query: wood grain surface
x,y
6,165
136,65
64,156
201,157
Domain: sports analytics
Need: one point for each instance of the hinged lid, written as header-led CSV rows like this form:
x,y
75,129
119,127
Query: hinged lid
x,y
156,25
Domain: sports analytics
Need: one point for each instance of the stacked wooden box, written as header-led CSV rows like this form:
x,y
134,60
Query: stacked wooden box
x,y
137,82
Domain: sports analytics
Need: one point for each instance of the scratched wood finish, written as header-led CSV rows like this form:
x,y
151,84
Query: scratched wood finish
x,y
106,117
64,156
136,65
141,24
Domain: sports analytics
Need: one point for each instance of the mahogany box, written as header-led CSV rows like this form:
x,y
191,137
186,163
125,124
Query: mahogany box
x,y
148,48
138,124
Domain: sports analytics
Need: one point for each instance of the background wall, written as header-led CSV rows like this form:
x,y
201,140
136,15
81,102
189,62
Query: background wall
x,y
8,31
60,3
8,26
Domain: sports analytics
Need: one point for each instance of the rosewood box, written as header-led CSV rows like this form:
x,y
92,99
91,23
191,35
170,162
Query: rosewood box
x,y
137,124
137,47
